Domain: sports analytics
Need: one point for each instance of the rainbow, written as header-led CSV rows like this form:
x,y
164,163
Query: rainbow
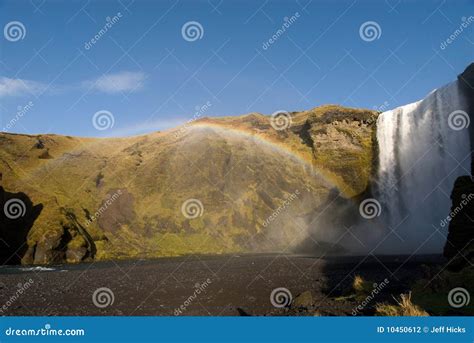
x,y
304,159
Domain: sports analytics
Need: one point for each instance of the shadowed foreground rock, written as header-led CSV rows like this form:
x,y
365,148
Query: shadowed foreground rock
x,y
460,242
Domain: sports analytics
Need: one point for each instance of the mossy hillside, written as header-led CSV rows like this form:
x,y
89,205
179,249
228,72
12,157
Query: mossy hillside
x,y
339,141
239,180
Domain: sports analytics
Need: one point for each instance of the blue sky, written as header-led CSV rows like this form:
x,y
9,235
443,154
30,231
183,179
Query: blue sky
x,y
150,78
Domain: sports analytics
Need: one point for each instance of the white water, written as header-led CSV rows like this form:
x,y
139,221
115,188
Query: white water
x,y
420,157
37,269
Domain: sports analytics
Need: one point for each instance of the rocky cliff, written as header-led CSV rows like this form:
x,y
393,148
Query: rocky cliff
x,y
459,248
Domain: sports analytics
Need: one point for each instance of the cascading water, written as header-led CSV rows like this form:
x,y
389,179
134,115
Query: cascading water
x,y
423,148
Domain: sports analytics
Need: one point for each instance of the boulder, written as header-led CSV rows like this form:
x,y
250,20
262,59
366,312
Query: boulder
x,y
303,301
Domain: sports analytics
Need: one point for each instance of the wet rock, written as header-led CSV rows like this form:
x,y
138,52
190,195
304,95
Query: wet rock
x,y
45,251
76,254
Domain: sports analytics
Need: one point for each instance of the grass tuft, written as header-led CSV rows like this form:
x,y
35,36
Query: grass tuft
x,y
405,307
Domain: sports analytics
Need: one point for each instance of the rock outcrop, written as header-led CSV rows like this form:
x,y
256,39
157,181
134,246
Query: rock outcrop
x,y
466,80
459,248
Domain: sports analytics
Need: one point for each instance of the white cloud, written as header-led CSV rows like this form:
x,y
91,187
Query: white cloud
x,y
20,87
121,82
116,83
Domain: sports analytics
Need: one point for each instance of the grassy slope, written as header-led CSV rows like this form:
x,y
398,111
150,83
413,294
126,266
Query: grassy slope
x,y
239,180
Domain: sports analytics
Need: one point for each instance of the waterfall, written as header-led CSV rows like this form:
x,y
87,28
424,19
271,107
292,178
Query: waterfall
x,y
423,148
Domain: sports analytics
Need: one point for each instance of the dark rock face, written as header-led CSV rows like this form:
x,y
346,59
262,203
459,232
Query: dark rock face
x,y
17,216
460,242
466,82
48,249
467,77
459,247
